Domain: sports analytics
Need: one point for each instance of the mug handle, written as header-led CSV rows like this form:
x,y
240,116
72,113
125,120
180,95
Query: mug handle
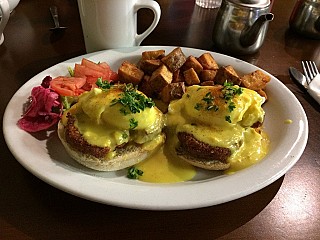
x,y
155,7
5,9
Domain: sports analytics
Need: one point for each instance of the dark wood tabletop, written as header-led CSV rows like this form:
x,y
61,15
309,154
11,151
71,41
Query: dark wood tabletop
x,y
289,208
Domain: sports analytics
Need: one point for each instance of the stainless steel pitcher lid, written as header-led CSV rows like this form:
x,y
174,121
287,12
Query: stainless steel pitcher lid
x,y
251,3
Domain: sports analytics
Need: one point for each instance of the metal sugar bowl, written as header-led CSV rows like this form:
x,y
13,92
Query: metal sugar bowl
x,y
241,26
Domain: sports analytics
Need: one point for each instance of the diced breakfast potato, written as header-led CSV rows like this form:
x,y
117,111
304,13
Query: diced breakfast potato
x,y
192,62
150,65
207,83
160,78
227,74
165,77
177,76
172,91
208,62
262,93
256,80
161,105
152,55
174,60
130,73
208,75
145,86
191,77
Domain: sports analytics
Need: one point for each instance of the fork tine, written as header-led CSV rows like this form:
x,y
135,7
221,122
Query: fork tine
x,y
314,67
305,68
311,68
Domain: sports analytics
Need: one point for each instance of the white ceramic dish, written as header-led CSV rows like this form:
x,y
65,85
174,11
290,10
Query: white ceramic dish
x,y
44,156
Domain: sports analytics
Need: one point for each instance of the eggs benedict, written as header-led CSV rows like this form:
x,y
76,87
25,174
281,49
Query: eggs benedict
x,y
217,127
111,129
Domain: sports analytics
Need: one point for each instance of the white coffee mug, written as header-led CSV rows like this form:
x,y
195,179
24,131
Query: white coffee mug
x,y
13,4
5,14
110,24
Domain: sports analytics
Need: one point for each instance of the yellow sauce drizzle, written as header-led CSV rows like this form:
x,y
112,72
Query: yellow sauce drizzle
x,y
288,121
165,167
252,152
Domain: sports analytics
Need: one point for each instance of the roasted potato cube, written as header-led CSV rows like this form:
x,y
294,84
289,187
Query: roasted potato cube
x,y
191,77
208,62
130,73
178,76
207,83
160,78
162,106
255,81
152,55
262,93
227,74
145,86
174,60
208,75
192,62
149,66
172,91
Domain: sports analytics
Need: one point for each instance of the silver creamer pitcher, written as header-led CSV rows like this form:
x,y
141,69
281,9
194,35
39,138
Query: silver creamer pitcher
x,y
241,26
305,18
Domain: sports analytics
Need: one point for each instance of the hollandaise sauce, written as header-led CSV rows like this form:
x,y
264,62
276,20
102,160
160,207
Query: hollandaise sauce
x,y
191,114
254,148
165,167
161,168
200,112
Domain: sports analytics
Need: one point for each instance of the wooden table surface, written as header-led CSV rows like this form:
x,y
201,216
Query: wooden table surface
x,y
289,208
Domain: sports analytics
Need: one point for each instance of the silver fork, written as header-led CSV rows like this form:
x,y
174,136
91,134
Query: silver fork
x,y
310,70
312,75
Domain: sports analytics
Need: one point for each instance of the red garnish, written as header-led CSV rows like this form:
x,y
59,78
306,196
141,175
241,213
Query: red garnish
x,y
44,110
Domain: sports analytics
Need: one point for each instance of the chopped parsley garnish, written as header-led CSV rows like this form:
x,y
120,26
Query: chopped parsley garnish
x,y
124,111
208,98
213,107
228,119
133,123
231,106
209,101
229,92
103,84
134,173
133,100
125,135
198,106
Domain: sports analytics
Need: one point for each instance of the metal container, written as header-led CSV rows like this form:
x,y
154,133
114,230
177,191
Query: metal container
x,y
305,18
241,26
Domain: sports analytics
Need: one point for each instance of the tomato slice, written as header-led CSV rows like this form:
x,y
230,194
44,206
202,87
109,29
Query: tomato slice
x,y
68,86
113,76
89,68
85,77
92,65
80,71
105,66
88,86
91,80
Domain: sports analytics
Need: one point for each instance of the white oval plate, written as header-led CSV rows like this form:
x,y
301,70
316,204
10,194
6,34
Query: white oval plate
x,y
44,156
